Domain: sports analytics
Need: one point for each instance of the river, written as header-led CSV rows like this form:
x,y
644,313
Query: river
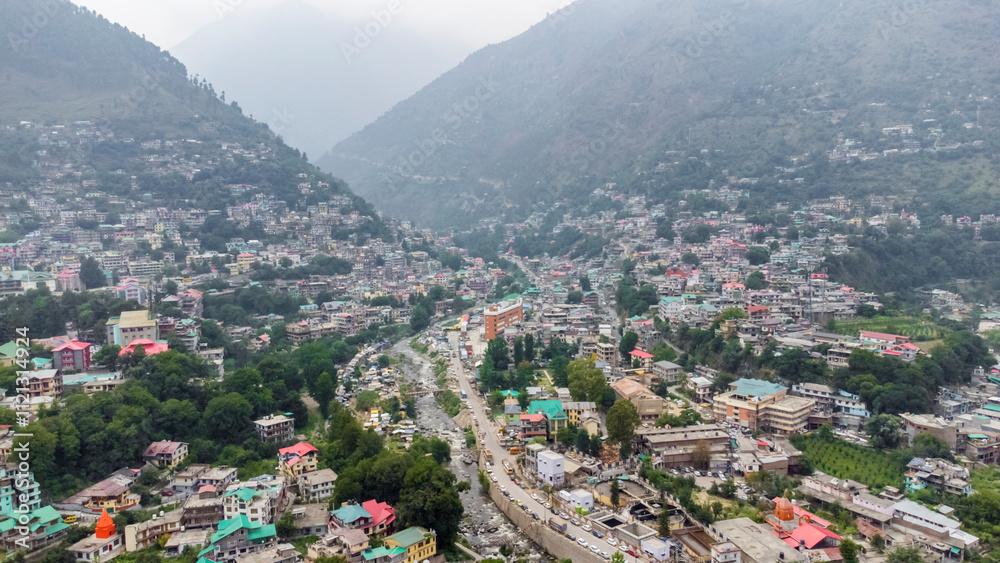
x,y
484,526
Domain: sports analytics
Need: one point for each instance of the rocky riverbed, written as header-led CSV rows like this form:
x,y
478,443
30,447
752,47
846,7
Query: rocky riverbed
x,y
484,526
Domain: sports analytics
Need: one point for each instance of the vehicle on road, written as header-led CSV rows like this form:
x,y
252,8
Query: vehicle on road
x,y
612,542
534,496
575,522
167,493
605,555
586,527
597,534
595,549
69,519
548,505
633,553
564,516
582,542
507,468
557,524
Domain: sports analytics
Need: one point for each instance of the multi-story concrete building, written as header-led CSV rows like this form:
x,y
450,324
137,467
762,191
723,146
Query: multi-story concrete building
x,y
131,325
555,417
502,315
317,485
254,505
132,290
72,355
914,424
551,468
420,544
26,496
667,371
278,428
847,410
297,460
607,353
938,475
756,404
237,537
165,453
44,383
676,447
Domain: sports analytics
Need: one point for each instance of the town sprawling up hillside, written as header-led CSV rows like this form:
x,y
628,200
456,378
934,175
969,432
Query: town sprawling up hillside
x,y
756,319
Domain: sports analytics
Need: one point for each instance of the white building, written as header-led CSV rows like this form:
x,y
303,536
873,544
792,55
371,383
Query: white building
x,y
551,468
658,550
316,486
582,499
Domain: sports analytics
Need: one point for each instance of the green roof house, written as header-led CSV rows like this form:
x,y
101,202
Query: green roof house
x,y
555,416
239,536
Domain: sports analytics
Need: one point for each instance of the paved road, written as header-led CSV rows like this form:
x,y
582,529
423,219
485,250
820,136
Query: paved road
x,y
499,454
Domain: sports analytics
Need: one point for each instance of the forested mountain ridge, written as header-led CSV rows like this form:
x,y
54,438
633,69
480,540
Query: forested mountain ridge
x,y
607,91
87,102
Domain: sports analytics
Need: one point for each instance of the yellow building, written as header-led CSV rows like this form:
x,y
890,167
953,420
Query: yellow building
x,y
244,261
576,409
418,543
297,460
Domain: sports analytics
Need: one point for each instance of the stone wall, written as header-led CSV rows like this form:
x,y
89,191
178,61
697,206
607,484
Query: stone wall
x,y
538,530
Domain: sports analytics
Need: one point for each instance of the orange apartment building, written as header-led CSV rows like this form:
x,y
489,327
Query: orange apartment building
x,y
502,315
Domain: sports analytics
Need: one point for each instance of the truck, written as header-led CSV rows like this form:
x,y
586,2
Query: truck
x,y
489,455
557,524
507,468
464,395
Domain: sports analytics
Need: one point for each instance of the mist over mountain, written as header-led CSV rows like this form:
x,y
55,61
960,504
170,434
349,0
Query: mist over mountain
x,y
636,92
314,78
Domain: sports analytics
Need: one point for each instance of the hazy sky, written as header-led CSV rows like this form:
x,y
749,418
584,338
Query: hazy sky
x,y
476,22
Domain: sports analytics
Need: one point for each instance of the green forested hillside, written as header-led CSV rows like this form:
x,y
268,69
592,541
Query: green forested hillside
x,y
664,96
63,66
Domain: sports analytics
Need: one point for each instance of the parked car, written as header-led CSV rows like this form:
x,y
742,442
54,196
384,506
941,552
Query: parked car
x,y
597,534
571,537
582,542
